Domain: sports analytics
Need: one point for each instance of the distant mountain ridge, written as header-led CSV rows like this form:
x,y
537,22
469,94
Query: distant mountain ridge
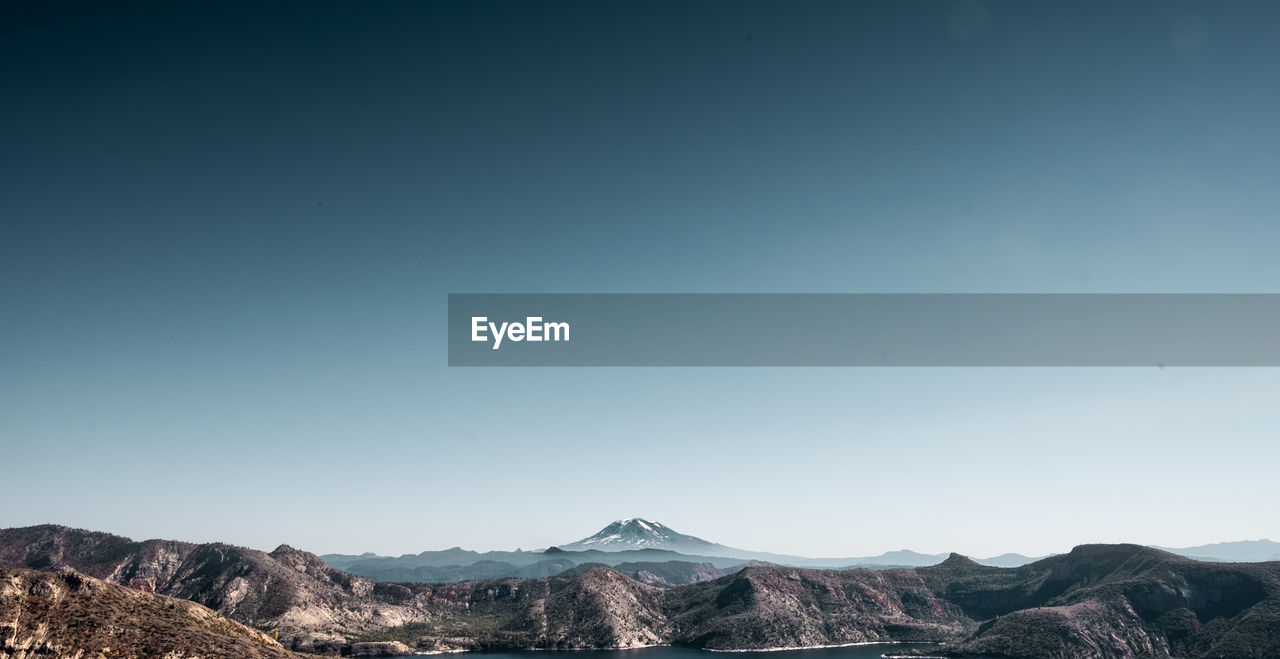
x,y
1241,551
449,566
639,540
636,533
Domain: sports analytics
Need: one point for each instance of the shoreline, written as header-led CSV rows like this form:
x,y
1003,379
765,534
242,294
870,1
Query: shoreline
x,y
828,647
609,649
667,645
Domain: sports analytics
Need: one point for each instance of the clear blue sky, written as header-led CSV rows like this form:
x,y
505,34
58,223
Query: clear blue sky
x,y
227,234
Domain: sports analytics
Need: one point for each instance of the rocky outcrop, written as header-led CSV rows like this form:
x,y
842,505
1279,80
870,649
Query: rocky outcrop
x,y
1092,628
380,649
1116,601
68,614
311,606
770,606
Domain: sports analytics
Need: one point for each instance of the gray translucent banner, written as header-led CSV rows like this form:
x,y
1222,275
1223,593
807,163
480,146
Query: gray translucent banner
x,y
865,330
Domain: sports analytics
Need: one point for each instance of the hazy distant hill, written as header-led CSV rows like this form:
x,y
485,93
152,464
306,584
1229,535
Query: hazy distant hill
x,y
627,534
394,570
1247,551
452,565
632,540
453,556
639,540
666,573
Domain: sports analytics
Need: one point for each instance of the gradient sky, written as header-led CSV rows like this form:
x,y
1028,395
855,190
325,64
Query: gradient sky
x,y
227,233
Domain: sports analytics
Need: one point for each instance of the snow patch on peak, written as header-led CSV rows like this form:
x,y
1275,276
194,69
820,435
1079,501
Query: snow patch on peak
x,y
639,533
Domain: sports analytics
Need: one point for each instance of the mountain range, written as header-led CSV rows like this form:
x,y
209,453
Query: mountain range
x,y
637,540
637,533
1095,601
1243,551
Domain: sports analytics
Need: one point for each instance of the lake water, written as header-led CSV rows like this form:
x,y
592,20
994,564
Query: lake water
x,y
675,652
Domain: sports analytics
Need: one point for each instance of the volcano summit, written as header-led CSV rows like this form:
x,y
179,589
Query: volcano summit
x,y
637,533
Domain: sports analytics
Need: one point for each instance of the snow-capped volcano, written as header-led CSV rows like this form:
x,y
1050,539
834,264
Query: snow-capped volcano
x,y
636,533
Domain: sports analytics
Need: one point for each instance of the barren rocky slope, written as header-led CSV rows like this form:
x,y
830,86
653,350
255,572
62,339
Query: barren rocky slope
x,y
312,606
771,606
1115,601
66,614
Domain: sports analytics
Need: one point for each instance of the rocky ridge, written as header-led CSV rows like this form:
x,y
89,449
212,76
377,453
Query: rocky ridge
x,y
68,614
1122,601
